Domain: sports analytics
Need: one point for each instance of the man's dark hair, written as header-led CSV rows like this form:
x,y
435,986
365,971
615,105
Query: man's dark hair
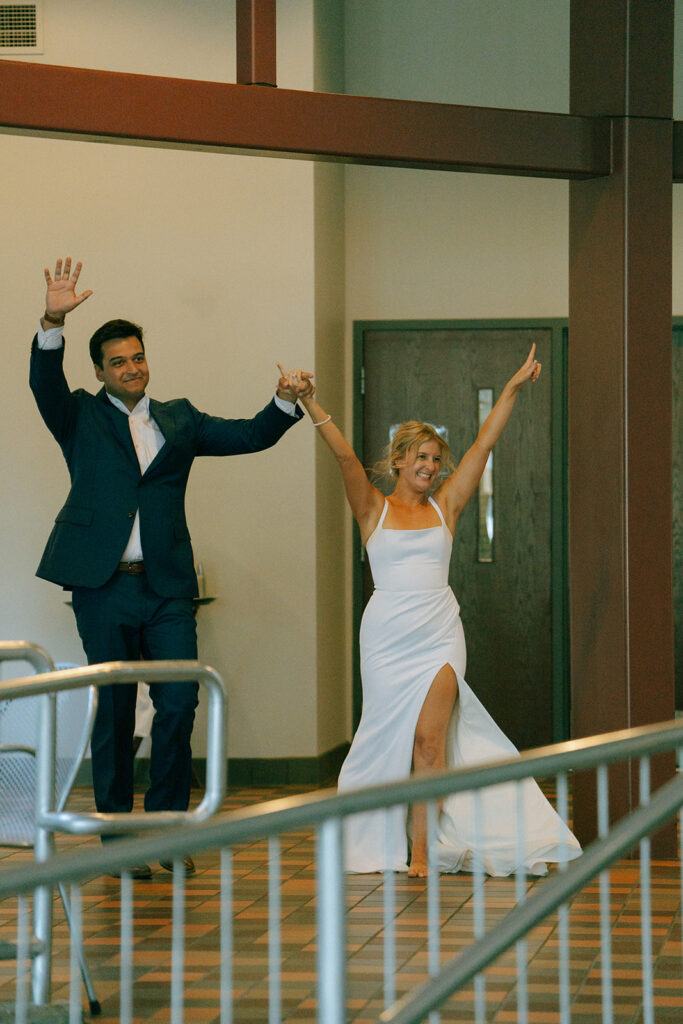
x,y
113,330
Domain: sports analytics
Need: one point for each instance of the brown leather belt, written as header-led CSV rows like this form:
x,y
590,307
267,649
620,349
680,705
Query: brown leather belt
x,y
134,568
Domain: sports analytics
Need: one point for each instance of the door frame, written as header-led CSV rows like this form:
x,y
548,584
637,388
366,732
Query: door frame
x,y
559,518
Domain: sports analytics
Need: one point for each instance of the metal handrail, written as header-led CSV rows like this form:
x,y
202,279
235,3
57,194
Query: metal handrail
x,y
548,896
47,683
289,813
325,811
22,650
110,673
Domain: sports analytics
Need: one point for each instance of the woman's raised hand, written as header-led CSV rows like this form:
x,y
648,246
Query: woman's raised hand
x,y
529,371
61,296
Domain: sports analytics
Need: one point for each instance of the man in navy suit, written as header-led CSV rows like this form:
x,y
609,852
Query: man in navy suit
x,y
121,543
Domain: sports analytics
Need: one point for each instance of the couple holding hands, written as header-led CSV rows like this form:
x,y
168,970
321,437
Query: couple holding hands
x,y
121,545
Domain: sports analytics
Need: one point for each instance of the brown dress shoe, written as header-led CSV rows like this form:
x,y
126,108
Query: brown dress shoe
x,y
188,865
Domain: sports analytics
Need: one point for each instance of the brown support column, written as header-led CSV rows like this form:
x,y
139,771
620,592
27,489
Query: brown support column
x,y
620,393
256,60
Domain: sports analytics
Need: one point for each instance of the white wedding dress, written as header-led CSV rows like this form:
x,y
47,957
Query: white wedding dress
x,y
411,628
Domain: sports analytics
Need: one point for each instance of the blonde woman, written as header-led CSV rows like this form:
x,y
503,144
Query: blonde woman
x,y
418,711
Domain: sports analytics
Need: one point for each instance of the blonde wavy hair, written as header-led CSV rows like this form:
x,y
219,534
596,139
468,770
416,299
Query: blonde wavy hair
x,y
408,438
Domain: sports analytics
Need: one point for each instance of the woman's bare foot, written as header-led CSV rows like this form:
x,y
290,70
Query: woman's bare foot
x,y
418,865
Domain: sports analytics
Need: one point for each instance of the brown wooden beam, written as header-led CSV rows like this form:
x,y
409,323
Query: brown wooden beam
x,y
620,395
435,136
256,47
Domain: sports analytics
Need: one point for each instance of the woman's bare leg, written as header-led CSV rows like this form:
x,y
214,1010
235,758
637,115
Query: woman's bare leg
x,y
429,754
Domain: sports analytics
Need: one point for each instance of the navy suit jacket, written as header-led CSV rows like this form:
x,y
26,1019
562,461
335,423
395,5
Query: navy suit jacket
x,y
107,488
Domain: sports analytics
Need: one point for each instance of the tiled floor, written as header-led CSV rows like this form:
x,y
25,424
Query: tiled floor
x,y
152,956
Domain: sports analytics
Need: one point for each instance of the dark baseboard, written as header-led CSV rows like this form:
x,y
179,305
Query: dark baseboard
x,y
287,771
252,771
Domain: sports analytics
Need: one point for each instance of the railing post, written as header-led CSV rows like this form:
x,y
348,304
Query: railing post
x,y
331,930
274,931
434,937
389,917
41,968
44,846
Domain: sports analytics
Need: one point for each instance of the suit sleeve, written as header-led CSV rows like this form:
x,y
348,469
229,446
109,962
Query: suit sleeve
x,y
56,404
217,436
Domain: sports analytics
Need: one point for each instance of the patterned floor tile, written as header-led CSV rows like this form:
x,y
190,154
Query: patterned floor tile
x,y
153,967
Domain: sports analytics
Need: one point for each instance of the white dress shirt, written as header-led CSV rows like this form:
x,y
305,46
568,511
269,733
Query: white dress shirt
x,y
148,441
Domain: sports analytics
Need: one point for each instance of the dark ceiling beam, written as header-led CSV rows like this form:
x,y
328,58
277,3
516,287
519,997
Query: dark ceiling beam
x,y
358,129
256,47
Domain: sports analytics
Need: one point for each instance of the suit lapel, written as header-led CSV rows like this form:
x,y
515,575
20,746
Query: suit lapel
x,y
167,425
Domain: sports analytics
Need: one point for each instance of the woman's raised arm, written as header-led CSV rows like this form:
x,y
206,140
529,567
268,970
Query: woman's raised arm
x,y
457,490
366,501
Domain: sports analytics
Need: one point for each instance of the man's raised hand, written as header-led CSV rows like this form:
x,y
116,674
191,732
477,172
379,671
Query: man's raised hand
x,y
61,296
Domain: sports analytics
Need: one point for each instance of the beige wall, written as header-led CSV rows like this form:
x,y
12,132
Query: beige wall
x,y
436,244
433,244
215,256
496,53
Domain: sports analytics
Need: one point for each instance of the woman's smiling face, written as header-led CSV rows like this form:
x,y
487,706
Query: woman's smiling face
x,y
421,466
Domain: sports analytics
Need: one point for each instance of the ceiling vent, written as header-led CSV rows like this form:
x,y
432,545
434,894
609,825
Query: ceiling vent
x,y
21,28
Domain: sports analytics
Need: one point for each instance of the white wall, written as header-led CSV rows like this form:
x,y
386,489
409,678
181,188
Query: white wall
x,y
437,244
434,244
487,53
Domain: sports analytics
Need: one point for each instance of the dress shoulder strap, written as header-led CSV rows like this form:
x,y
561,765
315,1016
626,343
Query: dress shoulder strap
x,y
379,522
436,506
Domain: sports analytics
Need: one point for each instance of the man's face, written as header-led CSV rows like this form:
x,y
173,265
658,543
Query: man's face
x,y
124,370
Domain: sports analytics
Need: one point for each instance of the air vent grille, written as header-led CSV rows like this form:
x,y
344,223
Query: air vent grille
x,y
20,28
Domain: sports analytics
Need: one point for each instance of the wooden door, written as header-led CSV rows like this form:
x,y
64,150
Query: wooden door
x,y
436,375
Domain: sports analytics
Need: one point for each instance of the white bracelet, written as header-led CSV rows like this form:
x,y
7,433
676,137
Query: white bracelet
x,y
323,422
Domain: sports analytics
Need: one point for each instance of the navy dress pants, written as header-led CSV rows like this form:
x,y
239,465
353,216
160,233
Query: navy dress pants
x,y
124,621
